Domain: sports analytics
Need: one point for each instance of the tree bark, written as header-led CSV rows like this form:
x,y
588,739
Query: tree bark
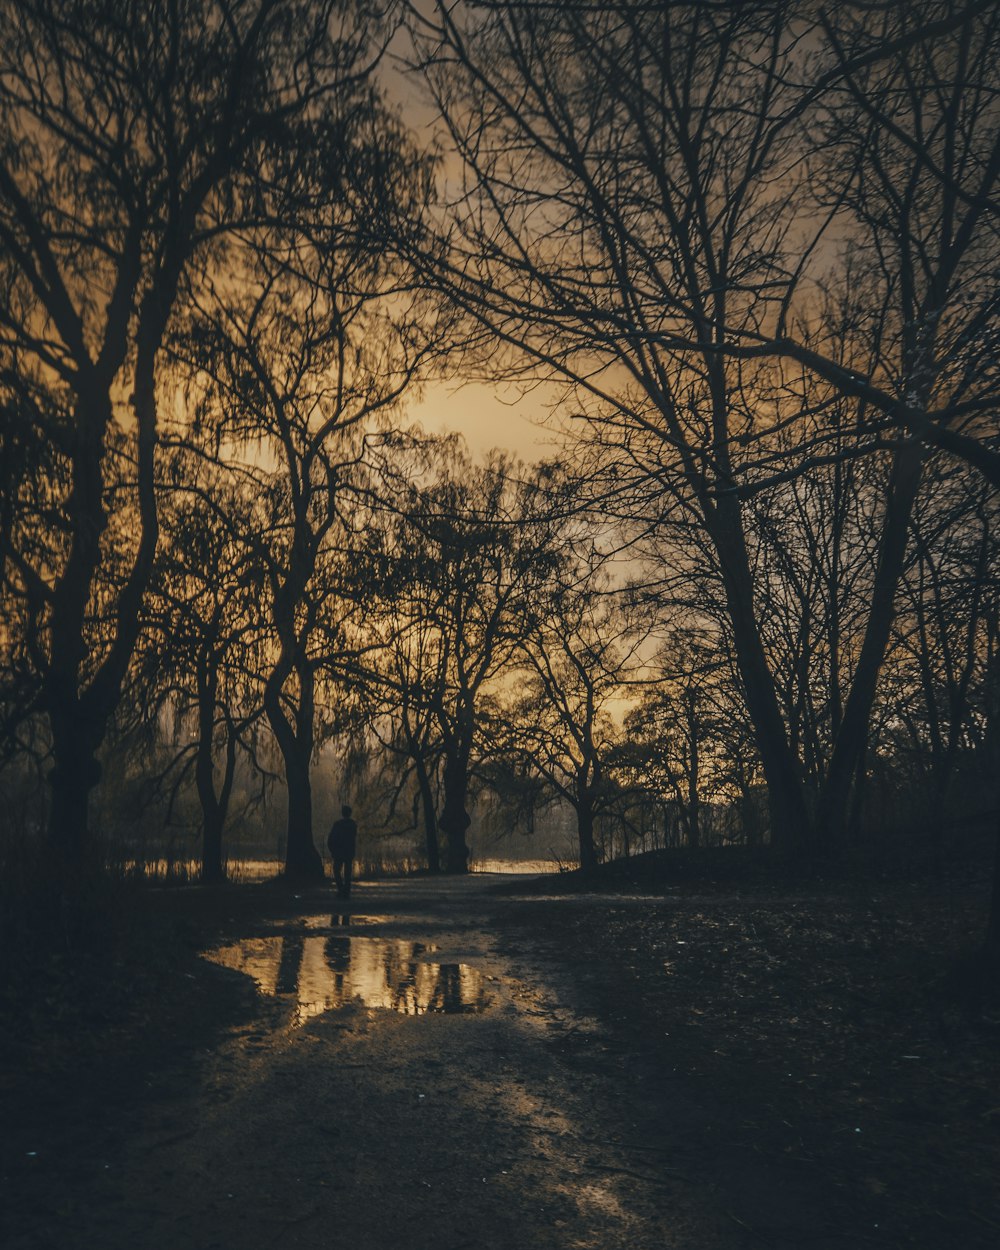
x,y
212,816
789,813
295,743
454,815
79,720
585,835
214,805
77,732
433,849
694,802
301,857
835,799
75,743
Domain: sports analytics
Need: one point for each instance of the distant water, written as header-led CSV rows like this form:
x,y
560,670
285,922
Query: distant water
x,y
190,869
265,869
519,865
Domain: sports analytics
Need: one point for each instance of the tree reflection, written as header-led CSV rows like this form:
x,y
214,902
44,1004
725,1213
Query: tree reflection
x,y
326,973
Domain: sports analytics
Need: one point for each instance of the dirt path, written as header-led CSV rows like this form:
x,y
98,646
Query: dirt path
x,y
412,1073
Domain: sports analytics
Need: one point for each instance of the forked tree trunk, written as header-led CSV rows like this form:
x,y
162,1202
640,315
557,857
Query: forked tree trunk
x,y
790,822
79,719
848,752
214,805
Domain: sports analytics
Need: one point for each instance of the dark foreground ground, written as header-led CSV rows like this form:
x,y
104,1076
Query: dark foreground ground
x,y
675,1060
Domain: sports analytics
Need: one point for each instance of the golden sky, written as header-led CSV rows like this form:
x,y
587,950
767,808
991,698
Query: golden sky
x,y
486,416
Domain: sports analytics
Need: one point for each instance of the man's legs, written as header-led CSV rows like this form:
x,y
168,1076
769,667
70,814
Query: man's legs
x,y
342,876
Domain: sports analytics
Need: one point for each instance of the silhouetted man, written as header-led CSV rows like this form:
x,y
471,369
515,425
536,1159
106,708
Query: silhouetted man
x,y
342,841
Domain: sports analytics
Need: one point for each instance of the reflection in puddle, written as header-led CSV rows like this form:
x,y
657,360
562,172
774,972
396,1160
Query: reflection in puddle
x,y
342,920
328,972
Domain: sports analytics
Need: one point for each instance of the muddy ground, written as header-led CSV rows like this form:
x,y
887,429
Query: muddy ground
x,y
439,1065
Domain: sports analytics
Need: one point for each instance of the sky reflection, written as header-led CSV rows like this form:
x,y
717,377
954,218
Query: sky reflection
x,y
323,973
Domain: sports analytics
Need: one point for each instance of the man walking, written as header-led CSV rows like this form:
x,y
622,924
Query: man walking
x,y
342,841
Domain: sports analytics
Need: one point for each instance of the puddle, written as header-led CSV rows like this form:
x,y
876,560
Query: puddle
x,y
343,920
324,973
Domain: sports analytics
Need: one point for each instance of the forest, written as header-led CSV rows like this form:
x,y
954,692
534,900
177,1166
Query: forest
x,y
727,630
750,286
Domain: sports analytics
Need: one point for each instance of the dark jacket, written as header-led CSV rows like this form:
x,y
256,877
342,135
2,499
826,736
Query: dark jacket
x,y
343,838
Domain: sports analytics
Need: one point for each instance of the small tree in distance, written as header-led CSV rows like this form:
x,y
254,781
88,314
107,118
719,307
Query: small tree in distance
x,y
559,715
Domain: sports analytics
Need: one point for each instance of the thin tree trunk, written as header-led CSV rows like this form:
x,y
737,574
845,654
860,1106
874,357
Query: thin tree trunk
x,y
791,825
213,867
694,805
836,794
211,815
432,847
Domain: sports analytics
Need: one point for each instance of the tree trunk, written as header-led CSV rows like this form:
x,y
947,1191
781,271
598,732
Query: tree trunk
x,y
214,807
693,804
990,951
75,742
212,817
789,819
835,802
585,835
213,869
301,857
454,815
79,720
433,850
76,736
295,743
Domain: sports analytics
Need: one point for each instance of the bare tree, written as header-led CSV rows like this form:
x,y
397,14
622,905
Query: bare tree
x,y
200,654
681,729
938,664
629,226
562,720
304,363
469,553
406,667
906,132
132,138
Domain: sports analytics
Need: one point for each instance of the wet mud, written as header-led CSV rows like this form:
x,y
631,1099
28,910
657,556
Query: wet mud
x,y
414,1072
